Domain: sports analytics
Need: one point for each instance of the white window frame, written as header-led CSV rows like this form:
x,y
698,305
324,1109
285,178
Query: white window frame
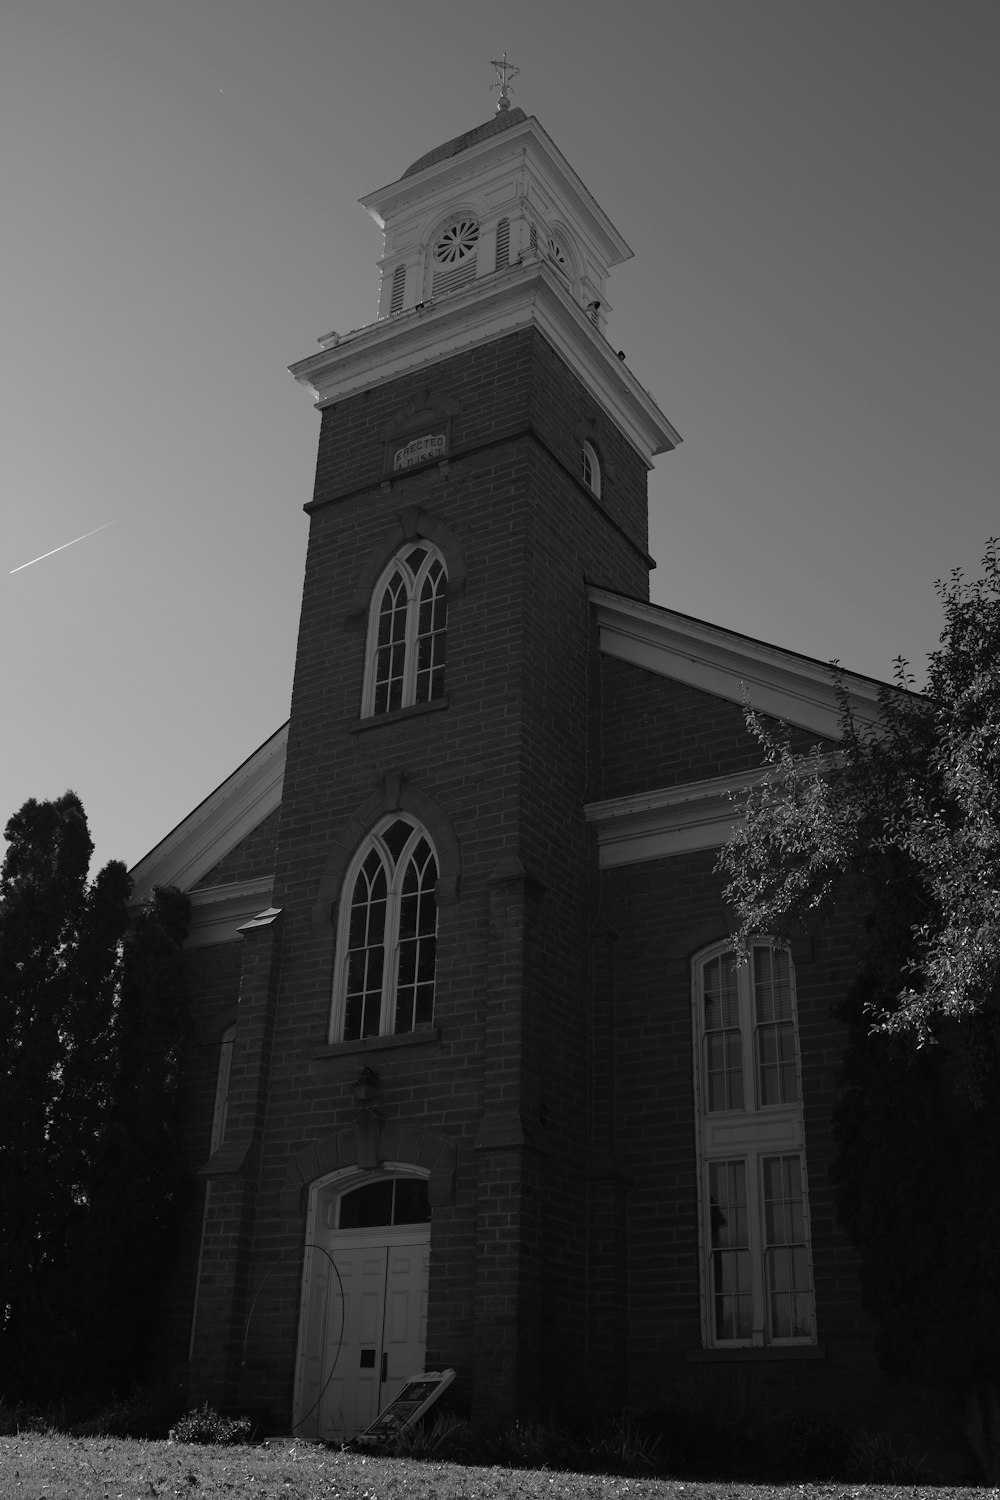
x,y
221,1111
751,1135
395,875
412,637
590,468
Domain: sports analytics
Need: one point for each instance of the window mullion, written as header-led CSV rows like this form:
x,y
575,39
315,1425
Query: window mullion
x,y
412,632
390,969
755,1194
748,1035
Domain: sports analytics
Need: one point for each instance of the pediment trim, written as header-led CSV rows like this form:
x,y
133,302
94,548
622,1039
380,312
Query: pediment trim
x,y
217,824
797,689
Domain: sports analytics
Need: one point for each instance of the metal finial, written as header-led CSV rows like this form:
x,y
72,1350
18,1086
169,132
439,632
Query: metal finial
x,y
505,72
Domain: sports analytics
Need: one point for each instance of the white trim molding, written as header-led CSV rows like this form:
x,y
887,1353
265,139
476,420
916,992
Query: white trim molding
x,y
669,820
780,683
529,295
218,912
216,825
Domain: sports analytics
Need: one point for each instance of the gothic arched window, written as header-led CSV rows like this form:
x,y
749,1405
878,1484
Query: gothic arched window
x,y
406,632
387,935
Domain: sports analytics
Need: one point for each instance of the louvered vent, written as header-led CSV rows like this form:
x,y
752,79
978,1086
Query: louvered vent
x,y
455,257
503,245
450,281
534,239
398,289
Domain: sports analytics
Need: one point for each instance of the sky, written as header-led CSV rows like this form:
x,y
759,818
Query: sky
x,y
810,192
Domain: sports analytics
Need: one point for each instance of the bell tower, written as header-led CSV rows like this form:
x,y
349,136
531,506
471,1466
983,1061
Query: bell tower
x,y
483,455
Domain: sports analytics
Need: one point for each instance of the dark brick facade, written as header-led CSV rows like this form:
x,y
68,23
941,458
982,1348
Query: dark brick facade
x,y
553,1102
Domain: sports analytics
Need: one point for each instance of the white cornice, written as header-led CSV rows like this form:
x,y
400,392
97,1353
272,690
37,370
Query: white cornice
x,y
780,683
219,911
217,824
669,820
480,161
529,295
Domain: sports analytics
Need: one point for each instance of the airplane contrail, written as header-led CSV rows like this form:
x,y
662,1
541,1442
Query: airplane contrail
x,y
67,544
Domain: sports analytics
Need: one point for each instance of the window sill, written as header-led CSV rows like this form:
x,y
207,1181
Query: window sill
x,y
378,1043
375,721
749,1355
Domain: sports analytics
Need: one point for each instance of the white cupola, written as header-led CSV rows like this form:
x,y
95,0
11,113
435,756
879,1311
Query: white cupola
x,y
499,196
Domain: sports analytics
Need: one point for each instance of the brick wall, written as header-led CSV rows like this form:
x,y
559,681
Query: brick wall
x,y
663,912
658,732
508,762
250,859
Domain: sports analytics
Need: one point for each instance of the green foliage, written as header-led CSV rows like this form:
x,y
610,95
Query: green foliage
x,y
62,1468
92,1015
203,1424
904,822
621,1445
877,1458
908,812
440,1435
914,1161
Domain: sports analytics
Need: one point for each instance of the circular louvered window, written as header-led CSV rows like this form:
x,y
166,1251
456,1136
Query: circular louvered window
x,y
457,242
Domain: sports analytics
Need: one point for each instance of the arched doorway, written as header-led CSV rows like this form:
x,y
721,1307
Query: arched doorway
x,y
363,1318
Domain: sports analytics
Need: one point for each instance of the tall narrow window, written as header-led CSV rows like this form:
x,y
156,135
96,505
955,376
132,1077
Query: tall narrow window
x,y
387,936
407,628
755,1228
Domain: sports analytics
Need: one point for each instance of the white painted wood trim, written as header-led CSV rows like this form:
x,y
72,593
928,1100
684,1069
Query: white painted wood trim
x,y
797,689
493,154
219,911
216,825
528,295
669,820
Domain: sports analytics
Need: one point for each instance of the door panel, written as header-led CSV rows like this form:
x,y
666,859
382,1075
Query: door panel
x,y
405,1335
375,1308
316,1314
351,1399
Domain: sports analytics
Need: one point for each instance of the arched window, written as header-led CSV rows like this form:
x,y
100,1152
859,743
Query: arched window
x,y
387,935
406,632
756,1264
590,468
388,1200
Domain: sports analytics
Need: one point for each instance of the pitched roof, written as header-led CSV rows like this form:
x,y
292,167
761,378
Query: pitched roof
x,y
502,121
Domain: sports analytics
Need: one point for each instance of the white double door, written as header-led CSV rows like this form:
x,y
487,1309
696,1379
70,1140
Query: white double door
x,y
364,1326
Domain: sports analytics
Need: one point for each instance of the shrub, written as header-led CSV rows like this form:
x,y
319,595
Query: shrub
x,y
205,1425
808,1446
443,1436
875,1458
623,1446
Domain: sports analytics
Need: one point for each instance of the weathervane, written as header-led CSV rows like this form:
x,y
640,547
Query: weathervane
x,y
505,72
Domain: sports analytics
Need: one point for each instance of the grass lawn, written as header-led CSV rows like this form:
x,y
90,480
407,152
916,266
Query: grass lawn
x,y
36,1467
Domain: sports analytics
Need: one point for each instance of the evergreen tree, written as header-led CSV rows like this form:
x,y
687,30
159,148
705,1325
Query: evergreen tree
x,y
92,1013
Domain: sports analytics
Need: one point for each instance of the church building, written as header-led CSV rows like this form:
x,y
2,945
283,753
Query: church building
x,y
476,1082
